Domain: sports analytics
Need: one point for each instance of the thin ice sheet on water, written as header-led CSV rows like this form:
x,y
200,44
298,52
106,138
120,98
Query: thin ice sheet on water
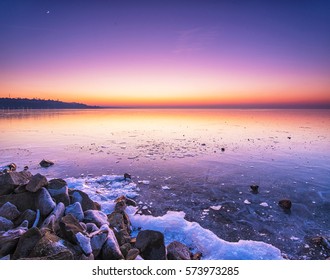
x,y
105,189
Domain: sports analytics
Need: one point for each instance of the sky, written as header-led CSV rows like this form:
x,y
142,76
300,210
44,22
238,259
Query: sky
x,y
167,53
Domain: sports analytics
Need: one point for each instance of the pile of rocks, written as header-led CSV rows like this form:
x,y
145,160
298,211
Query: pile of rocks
x,y
41,219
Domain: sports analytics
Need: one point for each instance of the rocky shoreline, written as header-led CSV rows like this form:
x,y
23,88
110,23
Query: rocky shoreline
x,y
45,220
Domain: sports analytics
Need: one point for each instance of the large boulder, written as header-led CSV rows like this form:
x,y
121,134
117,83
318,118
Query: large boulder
x,y
9,211
28,215
58,190
98,239
11,180
69,227
53,219
110,249
96,217
50,245
26,243
119,221
151,245
75,209
10,238
44,202
22,201
83,199
178,251
36,183
84,242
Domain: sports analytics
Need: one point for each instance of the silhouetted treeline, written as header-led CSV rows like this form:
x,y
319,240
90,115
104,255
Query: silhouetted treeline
x,y
25,103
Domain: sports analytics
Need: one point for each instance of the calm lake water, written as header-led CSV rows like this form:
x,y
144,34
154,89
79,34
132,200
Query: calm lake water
x,y
195,160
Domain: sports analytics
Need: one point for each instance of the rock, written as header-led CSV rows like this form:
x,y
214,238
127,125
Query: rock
x,y
84,242
83,225
127,176
222,149
120,203
132,254
83,199
197,256
96,217
50,245
110,249
98,239
44,202
9,211
58,189
285,204
151,245
53,219
125,248
26,243
22,201
5,224
75,209
178,251
63,255
9,240
11,180
46,163
254,189
91,227
28,215
36,183
69,227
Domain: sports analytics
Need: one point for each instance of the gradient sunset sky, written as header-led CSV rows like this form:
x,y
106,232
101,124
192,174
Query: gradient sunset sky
x,y
132,53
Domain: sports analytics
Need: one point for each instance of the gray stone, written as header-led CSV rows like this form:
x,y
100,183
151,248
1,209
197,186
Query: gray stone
x,y
36,183
69,227
9,240
53,219
111,249
91,227
98,239
83,199
76,210
96,217
58,190
44,202
9,211
46,163
11,180
22,201
28,215
84,242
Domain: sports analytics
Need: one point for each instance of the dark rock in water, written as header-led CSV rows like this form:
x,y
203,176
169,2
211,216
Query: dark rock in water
x,y
28,215
36,183
127,176
178,251
50,245
69,227
75,209
96,217
120,203
44,202
9,211
254,188
26,243
26,168
58,190
111,249
9,240
132,254
222,149
151,245
22,201
285,204
83,199
11,180
5,224
46,163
